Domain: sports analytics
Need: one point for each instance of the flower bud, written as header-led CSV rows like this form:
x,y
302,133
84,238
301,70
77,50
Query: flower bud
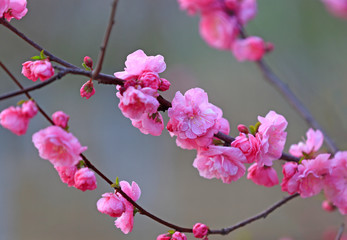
x,y
88,61
200,230
328,206
60,119
29,109
164,236
164,85
242,129
85,179
111,205
87,90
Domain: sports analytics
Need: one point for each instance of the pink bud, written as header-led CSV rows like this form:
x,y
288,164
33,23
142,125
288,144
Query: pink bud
x,y
111,205
85,179
87,90
67,174
164,85
88,61
60,119
269,47
328,206
200,230
29,109
242,129
178,236
164,236
34,70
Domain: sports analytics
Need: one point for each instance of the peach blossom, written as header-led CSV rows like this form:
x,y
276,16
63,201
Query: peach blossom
x,y
85,179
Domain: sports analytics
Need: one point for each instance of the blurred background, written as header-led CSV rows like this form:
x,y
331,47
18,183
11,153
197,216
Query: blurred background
x,y
310,56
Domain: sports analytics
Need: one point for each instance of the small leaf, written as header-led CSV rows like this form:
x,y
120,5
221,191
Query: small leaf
x,y
42,55
252,129
80,164
302,158
257,126
21,102
36,58
86,67
135,211
116,183
171,231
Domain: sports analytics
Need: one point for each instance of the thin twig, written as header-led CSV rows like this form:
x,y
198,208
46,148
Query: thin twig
x,y
101,56
35,45
263,214
339,234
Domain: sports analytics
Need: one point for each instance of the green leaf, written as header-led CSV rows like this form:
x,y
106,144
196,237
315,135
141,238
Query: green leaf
x,y
252,129
116,183
21,102
257,126
171,231
302,158
135,211
36,58
86,67
80,164
42,55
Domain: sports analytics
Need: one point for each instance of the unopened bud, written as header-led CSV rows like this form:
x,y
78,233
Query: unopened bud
x,y
242,129
328,206
269,47
88,61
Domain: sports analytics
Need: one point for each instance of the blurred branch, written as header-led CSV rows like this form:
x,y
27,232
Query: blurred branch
x,y
105,41
339,234
263,214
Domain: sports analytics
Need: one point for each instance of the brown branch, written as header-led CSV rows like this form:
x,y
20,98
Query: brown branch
x,y
263,214
101,56
35,45
339,234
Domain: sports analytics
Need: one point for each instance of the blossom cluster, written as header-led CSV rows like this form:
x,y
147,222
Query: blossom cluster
x,y
221,25
13,9
138,96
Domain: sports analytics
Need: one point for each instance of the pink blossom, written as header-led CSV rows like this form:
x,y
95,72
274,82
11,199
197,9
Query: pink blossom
x,y
85,179
265,176
138,62
164,85
87,90
126,221
14,120
225,163
193,6
58,146
67,174
247,11
164,236
328,206
111,205
249,145
219,29
272,135
16,9
311,145
193,119
34,70
150,124
337,7
251,49
60,119
135,102
178,236
149,79
290,182
335,188
3,6
200,230
29,109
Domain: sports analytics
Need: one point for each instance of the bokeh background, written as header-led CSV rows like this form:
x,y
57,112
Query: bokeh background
x,y
310,56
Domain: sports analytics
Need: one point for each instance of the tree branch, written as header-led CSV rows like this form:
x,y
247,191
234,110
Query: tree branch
x,y
339,234
263,214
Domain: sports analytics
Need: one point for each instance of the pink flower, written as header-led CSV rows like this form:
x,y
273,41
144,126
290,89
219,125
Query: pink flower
x,y
58,146
313,143
178,236
289,183
29,109
247,11
136,102
193,6
67,174
60,119
16,9
265,176
14,120
219,29
193,119
251,49
165,236
337,7
38,69
272,135
225,163
200,230
111,205
138,62
3,6
126,221
335,188
249,145
149,79
150,124
87,90
85,179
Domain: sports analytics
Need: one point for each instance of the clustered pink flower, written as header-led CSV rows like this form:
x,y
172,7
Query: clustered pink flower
x,y
13,9
193,120
200,230
220,25
263,175
312,145
16,119
87,90
60,119
172,236
337,7
85,179
111,204
34,70
225,163
249,145
138,96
